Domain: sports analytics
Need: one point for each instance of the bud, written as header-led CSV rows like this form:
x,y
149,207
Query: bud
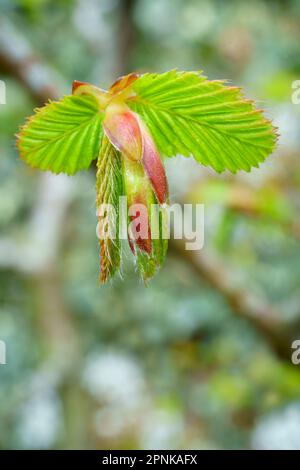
x,y
153,166
146,219
123,130
130,136
128,149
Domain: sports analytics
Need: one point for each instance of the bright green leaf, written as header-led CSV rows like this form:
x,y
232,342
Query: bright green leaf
x,y
63,136
189,115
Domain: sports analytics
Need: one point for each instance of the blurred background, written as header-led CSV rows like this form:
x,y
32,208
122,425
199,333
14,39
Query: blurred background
x,y
201,359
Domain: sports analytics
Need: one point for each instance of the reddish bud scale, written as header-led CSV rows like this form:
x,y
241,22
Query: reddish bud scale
x,y
139,192
123,131
123,82
154,167
141,223
76,84
131,137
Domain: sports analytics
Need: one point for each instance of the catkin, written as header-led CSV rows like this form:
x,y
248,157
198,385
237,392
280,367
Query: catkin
x,y
108,189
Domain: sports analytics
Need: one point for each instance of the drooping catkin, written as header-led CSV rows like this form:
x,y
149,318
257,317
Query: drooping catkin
x,y
109,187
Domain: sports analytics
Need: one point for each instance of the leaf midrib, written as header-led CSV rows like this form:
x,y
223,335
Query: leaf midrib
x,y
63,135
147,103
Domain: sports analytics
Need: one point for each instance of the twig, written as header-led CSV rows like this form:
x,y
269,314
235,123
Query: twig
x,y
257,311
126,37
17,59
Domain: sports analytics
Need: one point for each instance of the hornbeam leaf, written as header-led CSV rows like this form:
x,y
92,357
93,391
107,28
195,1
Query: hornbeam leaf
x,y
190,115
62,136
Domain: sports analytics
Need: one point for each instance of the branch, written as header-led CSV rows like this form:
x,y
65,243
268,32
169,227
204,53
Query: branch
x,y
257,311
18,60
37,255
126,37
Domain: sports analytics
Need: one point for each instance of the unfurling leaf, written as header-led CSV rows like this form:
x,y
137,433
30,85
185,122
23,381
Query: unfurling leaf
x,y
63,136
190,115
